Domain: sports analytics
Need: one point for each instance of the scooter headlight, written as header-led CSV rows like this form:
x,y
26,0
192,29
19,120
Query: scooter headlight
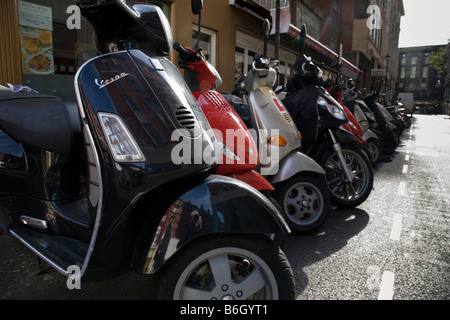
x,y
334,108
121,143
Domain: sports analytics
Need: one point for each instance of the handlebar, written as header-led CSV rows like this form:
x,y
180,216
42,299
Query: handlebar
x,y
186,55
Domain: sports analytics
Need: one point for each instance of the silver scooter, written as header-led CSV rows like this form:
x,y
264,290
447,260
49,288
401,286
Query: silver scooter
x,y
299,181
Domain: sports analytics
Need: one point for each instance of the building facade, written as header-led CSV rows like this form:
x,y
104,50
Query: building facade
x,y
231,33
418,77
369,31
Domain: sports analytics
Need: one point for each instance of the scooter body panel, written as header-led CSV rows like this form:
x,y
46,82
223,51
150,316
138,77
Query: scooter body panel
x,y
13,170
293,164
237,149
219,205
270,118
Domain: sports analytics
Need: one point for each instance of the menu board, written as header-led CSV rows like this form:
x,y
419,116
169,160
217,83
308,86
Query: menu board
x,y
36,38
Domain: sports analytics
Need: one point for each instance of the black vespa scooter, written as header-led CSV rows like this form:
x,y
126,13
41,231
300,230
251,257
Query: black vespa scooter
x,y
319,117
94,185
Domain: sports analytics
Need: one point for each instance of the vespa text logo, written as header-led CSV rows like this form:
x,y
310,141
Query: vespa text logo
x,y
74,280
74,21
374,21
103,83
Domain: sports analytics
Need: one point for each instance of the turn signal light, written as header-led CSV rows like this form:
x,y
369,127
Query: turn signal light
x,y
121,143
278,141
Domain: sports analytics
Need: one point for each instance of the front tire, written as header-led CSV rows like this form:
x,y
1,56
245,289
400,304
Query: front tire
x,y
374,150
305,202
221,267
346,194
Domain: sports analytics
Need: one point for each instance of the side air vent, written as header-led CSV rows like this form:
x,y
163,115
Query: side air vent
x,y
186,118
288,119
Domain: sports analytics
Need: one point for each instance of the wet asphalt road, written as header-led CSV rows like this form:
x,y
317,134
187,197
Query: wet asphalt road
x,y
394,246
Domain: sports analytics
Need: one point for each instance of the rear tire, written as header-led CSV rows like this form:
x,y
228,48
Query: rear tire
x,y
220,267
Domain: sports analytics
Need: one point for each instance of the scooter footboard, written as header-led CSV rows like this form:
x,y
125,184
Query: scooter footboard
x,y
219,205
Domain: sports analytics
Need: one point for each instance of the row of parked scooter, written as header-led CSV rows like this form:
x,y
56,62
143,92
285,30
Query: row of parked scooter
x,y
326,139
93,185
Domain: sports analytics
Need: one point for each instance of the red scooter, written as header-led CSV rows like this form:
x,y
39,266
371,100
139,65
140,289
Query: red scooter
x,y
239,155
352,126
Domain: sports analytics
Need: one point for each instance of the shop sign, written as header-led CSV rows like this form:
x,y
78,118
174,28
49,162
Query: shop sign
x,y
378,73
36,38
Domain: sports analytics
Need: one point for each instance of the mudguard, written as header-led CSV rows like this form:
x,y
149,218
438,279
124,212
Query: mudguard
x,y
345,137
254,179
369,134
292,164
219,205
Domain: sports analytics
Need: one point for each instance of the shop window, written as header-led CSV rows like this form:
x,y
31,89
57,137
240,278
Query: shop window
x,y
51,52
207,42
246,48
413,71
425,72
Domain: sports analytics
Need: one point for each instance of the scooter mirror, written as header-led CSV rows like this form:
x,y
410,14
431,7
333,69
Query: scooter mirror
x,y
265,35
266,29
197,6
303,36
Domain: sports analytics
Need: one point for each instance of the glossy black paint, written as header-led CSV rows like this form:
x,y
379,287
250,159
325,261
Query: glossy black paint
x,y
59,185
12,166
218,205
129,25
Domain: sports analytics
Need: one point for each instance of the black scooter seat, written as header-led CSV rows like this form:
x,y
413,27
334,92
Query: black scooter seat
x,y
41,121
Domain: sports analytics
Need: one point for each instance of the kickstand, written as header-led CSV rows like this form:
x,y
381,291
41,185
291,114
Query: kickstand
x,y
42,268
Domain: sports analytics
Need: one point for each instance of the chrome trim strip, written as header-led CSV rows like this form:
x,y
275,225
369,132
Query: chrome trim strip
x,y
34,223
40,255
97,164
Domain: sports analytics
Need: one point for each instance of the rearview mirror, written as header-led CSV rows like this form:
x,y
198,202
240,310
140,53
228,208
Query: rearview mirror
x,y
303,36
265,35
266,29
197,6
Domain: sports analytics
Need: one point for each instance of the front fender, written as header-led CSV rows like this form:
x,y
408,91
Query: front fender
x,y
345,137
219,205
369,134
294,163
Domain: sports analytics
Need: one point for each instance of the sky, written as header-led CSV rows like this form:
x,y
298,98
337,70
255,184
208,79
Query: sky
x,y
425,23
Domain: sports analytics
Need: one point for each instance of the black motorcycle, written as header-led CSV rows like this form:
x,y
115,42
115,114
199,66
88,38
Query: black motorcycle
x,y
93,185
319,118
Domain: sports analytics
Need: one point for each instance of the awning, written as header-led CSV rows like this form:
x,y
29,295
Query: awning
x,y
262,13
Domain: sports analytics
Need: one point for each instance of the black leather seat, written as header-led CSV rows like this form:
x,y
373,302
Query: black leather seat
x,y
41,121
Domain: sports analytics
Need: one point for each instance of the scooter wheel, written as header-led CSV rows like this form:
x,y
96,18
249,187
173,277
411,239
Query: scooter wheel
x,y
346,194
373,150
305,202
228,267
390,142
